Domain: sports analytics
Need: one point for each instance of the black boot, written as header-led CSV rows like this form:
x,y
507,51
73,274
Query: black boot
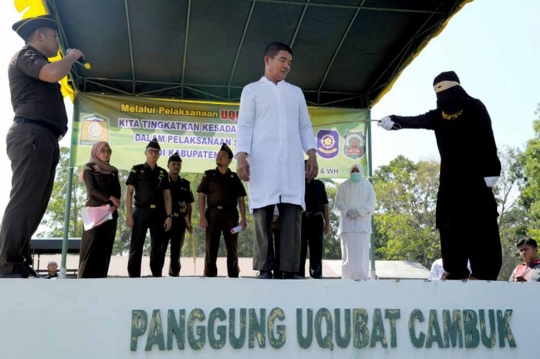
x,y
264,274
291,275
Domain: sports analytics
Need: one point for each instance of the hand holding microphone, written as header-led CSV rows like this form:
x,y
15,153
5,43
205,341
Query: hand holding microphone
x,y
79,56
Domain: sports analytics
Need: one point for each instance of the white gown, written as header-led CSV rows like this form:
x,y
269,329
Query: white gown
x,y
355,233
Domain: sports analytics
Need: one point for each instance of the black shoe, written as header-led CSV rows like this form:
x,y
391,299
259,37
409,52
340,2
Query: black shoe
x,y
278,274
18,270
264,274
291,275
13,276
31,272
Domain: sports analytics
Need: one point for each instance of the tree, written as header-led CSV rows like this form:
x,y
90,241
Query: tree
x,y
530,189
513,218
53,221
332,242
123,233
405,215
406,198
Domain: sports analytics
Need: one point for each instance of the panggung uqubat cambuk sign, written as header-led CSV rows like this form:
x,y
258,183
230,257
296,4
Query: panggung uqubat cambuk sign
x,y
243,318
353,329
197,129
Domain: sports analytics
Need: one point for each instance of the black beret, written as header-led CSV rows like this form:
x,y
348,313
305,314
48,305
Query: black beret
x,y
25,27
175,158
446,76
153,144
226,148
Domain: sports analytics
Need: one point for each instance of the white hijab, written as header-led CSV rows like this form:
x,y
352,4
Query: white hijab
x,y
351,194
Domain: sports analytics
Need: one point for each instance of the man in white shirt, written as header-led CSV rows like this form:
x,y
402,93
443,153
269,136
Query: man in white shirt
x,y
274,131
437,270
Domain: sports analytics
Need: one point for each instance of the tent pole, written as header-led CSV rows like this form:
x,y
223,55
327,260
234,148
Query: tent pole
x,y
66,221
69,188
373,273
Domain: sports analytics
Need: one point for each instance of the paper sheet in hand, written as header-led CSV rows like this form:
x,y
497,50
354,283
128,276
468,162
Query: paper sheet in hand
x,y
94,216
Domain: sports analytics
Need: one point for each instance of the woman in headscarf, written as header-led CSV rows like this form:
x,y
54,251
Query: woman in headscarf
x,y
103,186
355,204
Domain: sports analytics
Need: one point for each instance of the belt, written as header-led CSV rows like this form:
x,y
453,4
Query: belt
x,y
312,214
222,207
51,128
145,206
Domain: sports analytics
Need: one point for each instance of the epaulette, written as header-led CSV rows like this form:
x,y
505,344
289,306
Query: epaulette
x,y
137,168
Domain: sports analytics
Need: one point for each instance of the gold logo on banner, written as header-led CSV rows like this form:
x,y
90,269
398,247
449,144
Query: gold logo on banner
x,y
94,129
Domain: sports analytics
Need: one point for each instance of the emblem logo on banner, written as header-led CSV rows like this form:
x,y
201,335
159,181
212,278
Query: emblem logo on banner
x,y
94,128
328,143
355,144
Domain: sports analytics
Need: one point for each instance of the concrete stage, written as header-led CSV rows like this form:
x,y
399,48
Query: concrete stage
x,y
247,318
331,268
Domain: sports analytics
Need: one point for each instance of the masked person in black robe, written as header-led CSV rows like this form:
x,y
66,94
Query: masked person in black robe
x,y
466,213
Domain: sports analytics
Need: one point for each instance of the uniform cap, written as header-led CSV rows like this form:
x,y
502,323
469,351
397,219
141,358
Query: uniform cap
x,y
24,27
175,158
227,149
153,144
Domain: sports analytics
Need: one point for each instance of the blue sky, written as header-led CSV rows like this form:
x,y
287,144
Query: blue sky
x,y
493,46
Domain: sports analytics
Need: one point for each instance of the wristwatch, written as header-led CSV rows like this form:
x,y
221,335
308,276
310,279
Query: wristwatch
x,y
170,215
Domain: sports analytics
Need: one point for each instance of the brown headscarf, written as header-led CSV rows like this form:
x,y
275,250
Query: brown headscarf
x,y
99,165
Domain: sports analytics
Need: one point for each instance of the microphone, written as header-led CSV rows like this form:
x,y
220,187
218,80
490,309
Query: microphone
x,y
81,61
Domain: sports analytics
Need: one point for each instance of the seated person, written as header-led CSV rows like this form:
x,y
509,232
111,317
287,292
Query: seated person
x,y
437,271
529,270
52,267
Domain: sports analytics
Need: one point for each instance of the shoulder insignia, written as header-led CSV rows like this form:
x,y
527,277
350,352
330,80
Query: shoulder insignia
x,y
136,168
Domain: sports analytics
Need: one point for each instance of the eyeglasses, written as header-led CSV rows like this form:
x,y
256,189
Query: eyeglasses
x,y
109,151
153,152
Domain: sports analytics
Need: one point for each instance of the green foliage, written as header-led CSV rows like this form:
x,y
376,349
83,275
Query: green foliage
x,y
404,221
513,217
406,200
530,191
405,216
53,220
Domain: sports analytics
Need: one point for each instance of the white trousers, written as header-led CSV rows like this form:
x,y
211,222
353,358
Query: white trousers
x,y
355,255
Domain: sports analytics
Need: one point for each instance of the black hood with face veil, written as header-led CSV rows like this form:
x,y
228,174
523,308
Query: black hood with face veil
x,y
454,98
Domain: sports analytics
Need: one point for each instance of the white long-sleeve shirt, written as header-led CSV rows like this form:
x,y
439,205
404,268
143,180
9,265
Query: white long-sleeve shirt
x,y
275,130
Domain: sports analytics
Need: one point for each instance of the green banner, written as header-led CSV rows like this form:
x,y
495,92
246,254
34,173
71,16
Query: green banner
x,y
197,129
